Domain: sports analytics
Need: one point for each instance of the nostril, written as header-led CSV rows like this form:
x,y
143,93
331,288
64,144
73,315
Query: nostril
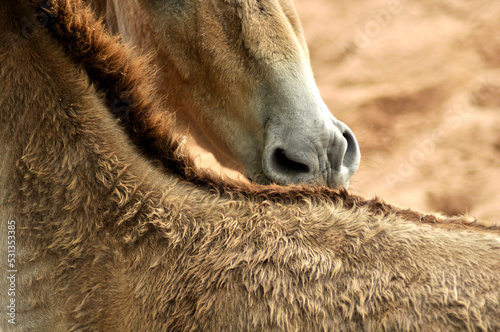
x,y
352,153
285,165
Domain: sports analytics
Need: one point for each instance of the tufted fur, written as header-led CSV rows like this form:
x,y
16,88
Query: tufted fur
x,y
117,231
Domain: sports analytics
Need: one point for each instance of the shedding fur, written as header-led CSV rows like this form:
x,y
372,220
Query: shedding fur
x,y
117,231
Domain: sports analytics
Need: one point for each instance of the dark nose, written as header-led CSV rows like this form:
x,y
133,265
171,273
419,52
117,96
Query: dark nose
x,y
352,155
330,156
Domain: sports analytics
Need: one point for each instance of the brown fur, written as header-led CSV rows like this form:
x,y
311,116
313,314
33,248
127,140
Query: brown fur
x,y
149,127
110,241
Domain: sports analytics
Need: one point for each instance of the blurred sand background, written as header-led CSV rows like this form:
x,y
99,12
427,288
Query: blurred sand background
x,y
419,84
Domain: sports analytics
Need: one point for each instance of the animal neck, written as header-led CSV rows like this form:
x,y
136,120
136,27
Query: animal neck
x,y
76,130
99,224
128,91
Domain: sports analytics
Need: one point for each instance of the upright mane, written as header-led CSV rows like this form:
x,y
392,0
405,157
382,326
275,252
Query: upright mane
x,y
124,79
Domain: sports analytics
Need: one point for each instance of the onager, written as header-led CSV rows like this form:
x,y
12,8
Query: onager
x,y
115,230
237,73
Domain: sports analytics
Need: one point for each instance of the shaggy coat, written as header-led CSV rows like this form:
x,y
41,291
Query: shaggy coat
x,y
117,231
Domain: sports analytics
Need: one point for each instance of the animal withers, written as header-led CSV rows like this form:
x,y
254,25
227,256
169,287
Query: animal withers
x,y
237,73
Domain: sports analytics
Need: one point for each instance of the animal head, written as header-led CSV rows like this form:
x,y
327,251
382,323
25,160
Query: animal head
x,y
238,75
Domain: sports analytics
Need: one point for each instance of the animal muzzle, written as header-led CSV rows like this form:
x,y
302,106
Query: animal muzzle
x,y
325,155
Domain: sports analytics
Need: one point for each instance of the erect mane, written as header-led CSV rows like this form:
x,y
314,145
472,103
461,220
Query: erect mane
x,y
123,78
126,82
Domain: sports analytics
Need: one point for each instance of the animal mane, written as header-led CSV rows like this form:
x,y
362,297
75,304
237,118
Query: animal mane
x,y
111,242
126,81
123,78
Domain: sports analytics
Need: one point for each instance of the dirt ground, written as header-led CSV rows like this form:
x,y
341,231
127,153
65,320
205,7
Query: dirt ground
x,y
419,84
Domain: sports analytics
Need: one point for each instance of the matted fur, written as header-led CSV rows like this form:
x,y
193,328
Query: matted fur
x,y
110,240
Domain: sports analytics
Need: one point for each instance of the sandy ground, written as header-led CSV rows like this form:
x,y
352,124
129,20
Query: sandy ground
x,y
419,84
